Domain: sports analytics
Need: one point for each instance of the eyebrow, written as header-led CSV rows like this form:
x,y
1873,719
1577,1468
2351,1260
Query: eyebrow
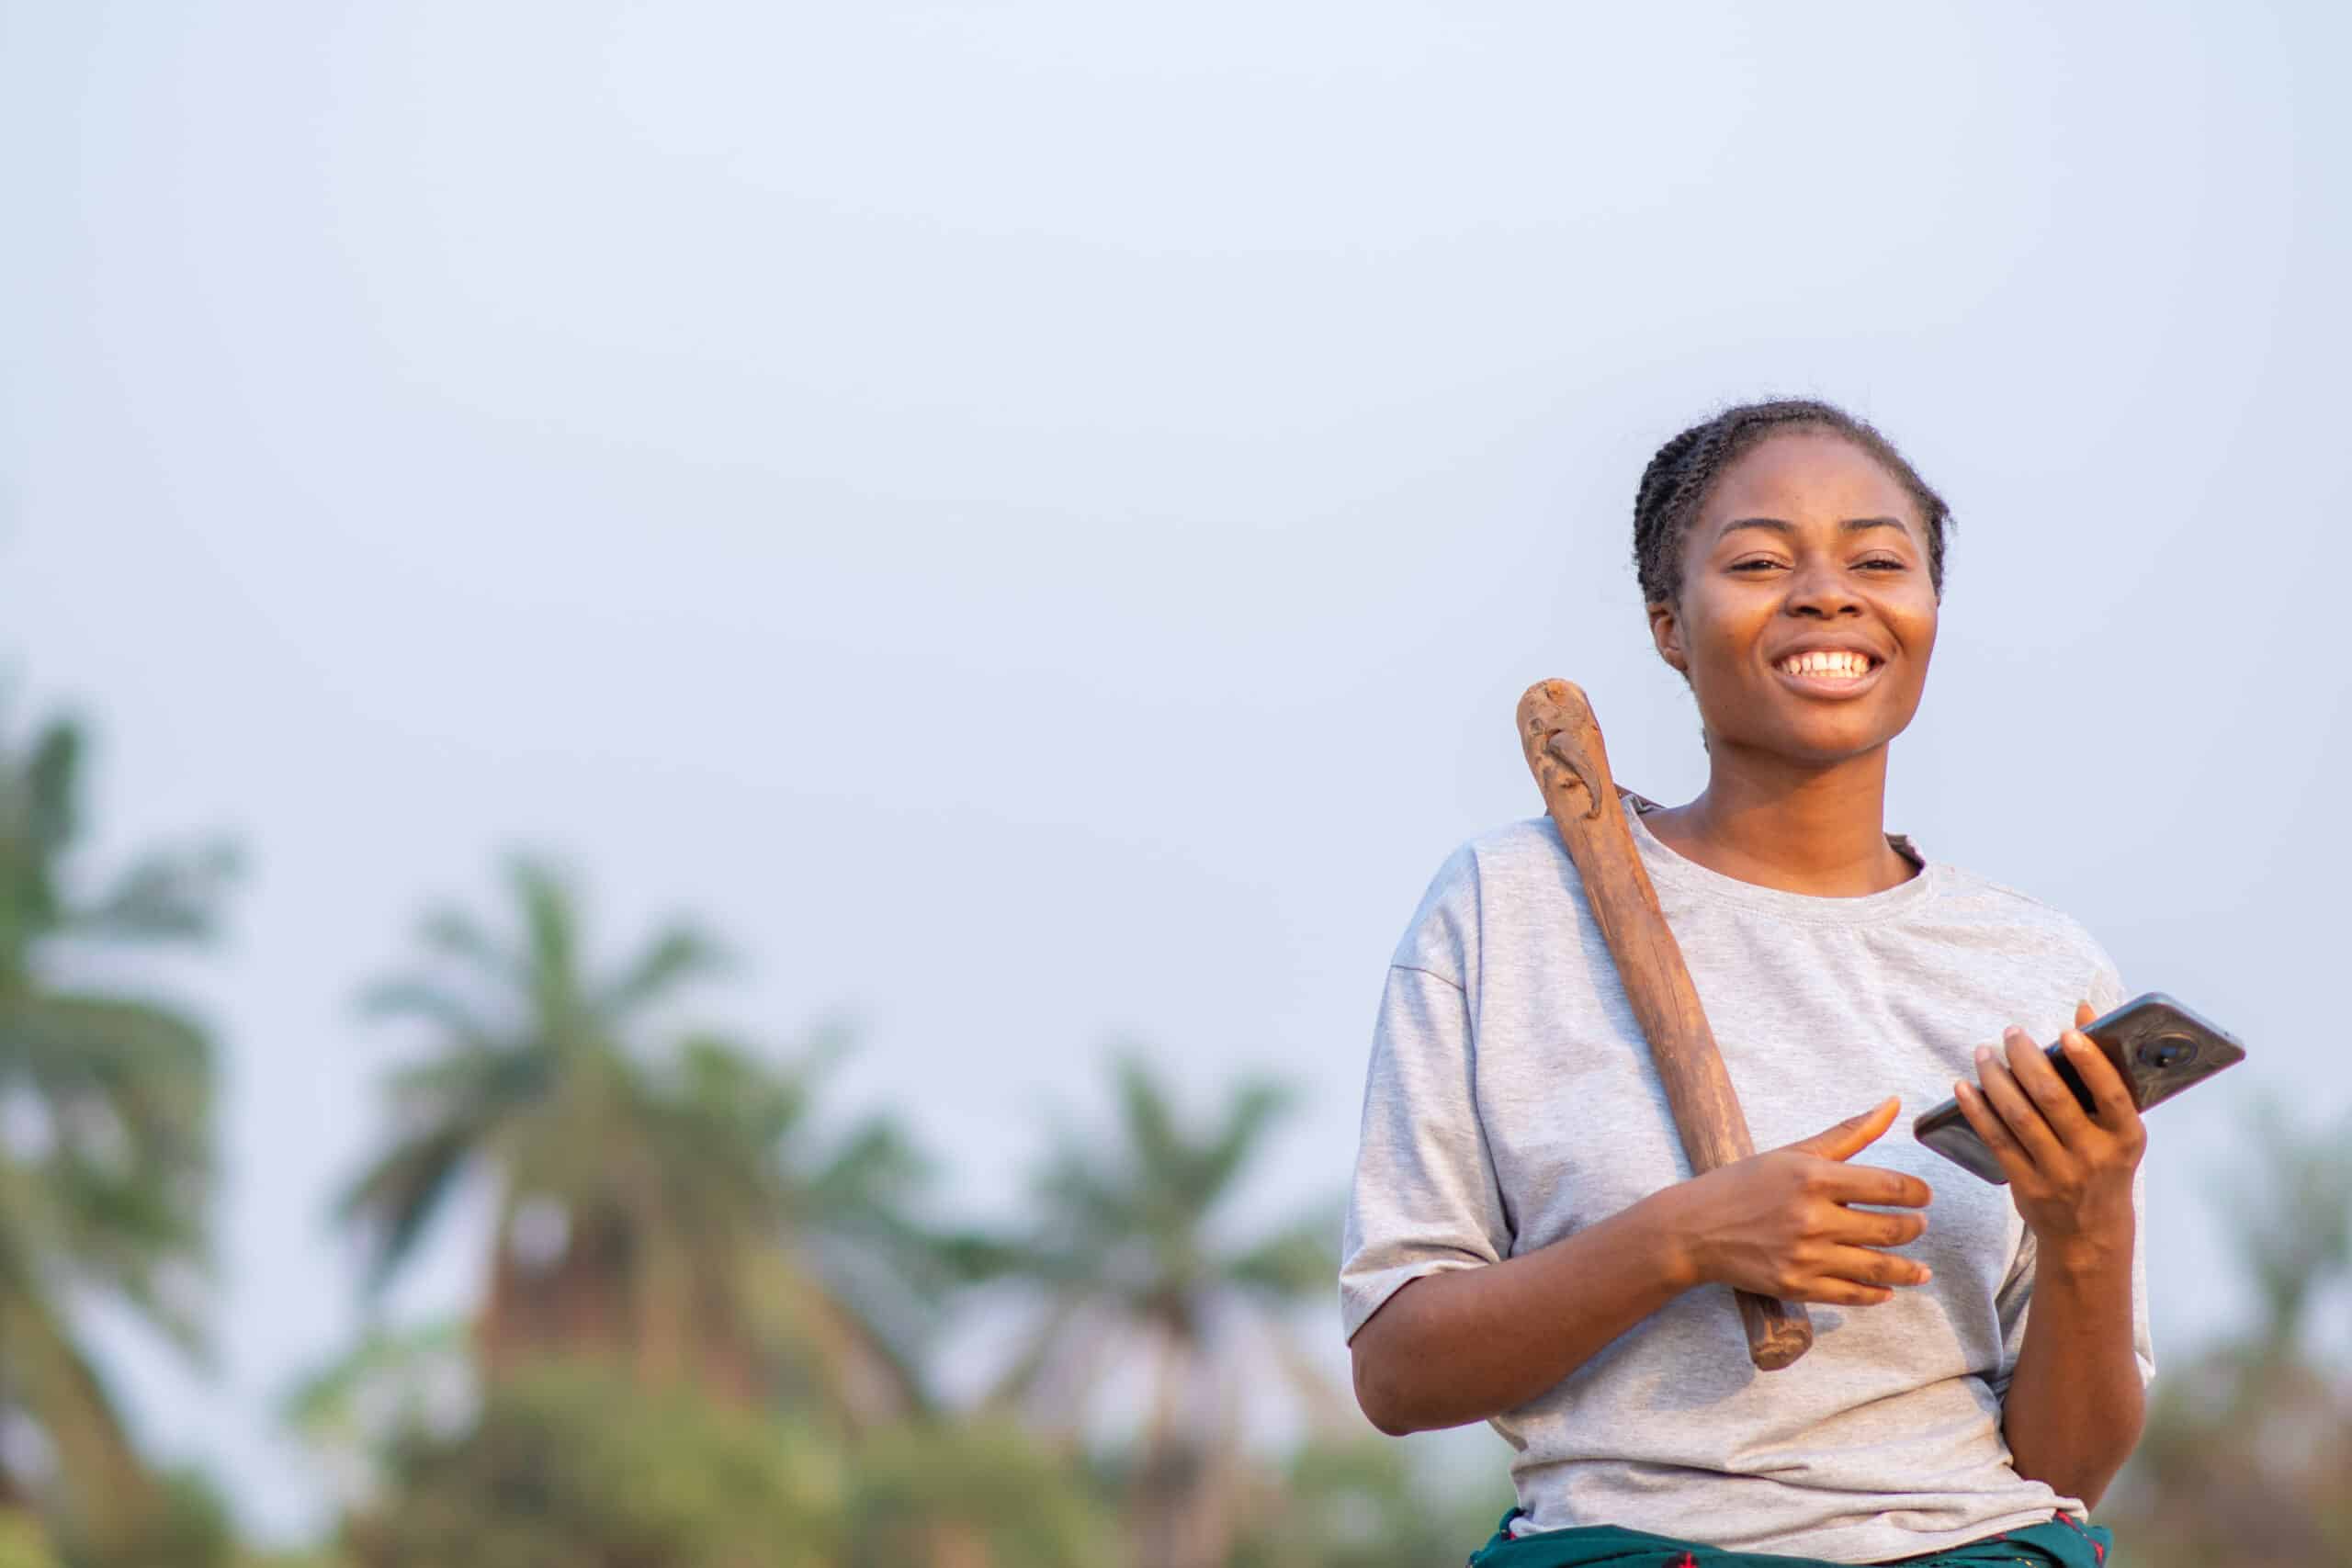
x,y
1850,525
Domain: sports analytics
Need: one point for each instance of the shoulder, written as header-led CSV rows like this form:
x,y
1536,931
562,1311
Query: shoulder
x,y
2000,915
1486,879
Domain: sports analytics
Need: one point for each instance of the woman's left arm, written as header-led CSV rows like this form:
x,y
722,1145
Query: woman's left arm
x,y
2076,1403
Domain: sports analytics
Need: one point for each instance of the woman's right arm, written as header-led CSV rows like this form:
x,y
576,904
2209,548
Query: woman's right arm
x,y
1462,1345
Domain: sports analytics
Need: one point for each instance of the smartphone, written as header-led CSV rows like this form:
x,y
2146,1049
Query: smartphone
x,y
2158,1046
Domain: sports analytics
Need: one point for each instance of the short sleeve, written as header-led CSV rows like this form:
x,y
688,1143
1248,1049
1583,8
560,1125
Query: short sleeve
x,y
1425,1198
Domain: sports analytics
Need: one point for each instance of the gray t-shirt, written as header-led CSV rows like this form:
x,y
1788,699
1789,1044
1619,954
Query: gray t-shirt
x,y
1510,1102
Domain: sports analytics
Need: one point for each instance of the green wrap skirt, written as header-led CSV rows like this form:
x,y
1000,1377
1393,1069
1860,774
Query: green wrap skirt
x,y
2062,1543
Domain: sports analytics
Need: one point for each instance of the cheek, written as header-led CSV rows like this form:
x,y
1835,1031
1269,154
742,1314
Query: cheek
x,y
1718,628
1914,624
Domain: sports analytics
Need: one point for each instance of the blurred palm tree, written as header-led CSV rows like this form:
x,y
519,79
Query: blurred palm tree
x,y
576,1463
675,1215
838,1284
2249,1444
1123,1248
106,1159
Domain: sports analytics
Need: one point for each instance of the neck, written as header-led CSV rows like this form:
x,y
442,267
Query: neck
x,y
1799,828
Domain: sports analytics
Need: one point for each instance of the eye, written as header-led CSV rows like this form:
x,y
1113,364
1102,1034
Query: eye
x,y
1758,563
1884,563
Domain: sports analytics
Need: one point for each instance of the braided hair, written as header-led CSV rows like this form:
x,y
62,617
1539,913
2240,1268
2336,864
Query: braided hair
x,y
1675,483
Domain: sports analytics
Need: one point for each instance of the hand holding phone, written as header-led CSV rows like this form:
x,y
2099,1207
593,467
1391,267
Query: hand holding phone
x,y
2156,1045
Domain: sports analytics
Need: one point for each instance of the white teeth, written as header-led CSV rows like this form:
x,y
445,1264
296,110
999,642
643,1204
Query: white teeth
x,y
1847,665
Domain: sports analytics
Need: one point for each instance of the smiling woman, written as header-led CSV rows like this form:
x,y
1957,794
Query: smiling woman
x,y
1526,1244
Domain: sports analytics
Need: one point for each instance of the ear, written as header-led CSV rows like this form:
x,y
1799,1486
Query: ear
x,y
1666,633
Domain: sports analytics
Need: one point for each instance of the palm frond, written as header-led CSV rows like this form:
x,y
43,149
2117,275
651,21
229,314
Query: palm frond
x,y
875,1170
398,1196
427,1000
552,932
971,1257
450,933
1301,1260
1255,1106
1079,1201
676,955
1150,1122
721,1085
171,895
477,1082
117,1201
52,775
150,1068
129,1235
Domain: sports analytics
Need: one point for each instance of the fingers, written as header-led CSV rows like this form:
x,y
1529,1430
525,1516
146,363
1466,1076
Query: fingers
x,y
1864,1266
1854,1134
2014,1108
1842,1292
2029,1065
1987,1125
1870,1184
2111,1090
1864,1227
2117,1110
1853,1276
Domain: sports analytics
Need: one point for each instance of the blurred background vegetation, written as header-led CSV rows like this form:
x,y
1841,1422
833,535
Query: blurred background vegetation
x,y
713,1321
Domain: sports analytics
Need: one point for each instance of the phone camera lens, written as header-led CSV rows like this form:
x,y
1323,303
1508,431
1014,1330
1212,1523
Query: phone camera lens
x,y
2168,1051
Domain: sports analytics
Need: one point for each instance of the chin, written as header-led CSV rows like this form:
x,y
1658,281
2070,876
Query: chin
x,y
1818,744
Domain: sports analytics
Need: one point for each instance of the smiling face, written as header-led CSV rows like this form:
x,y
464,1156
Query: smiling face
x,y
1806,616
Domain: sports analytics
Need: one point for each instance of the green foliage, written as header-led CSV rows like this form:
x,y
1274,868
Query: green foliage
x,y
977,1493
107,1164
1124,1233
576,1466
23,1543
533,1068
2248,1446
396,1385
688,1220
1361,1504
188,1528
1126,1250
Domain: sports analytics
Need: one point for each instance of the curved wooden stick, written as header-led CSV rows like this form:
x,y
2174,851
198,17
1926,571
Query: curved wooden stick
x,y
1562,740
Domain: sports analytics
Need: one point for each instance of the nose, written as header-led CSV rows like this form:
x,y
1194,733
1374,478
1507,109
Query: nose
x,y
1821,593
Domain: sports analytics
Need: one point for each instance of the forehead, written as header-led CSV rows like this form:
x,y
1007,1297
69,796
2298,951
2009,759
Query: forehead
x,y
1807,476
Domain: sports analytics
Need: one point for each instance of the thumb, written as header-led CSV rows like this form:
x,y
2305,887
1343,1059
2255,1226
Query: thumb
x,y
1854,1134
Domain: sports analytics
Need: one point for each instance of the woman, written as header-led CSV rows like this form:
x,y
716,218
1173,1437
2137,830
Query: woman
x,y
1524,1243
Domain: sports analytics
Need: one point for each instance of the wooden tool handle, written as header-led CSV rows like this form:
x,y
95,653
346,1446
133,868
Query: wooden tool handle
x,y
1563,744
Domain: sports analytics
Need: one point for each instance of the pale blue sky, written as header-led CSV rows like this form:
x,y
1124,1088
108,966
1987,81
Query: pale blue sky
x,y
1032,518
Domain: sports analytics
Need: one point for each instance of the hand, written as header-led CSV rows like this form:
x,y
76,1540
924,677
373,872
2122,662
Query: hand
x,y
1779,1223
2069,1173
